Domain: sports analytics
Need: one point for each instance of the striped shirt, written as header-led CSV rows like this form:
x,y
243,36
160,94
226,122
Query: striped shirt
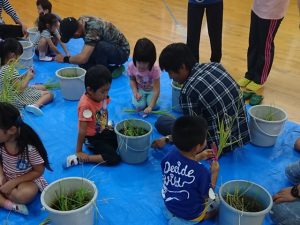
x,y
211,92
15,166
4,4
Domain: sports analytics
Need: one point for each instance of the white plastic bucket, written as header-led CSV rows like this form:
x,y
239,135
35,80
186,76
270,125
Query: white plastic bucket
x,y
263,132
134,149
25,63
33,35
27,49
72,88
83,215
228,215
175,98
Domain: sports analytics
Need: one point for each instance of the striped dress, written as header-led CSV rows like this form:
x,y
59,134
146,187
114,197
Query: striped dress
x,y
15,166
27,97
4,4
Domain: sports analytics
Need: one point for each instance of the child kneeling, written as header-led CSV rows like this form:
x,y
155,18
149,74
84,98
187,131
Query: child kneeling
x,y
186,182
93,121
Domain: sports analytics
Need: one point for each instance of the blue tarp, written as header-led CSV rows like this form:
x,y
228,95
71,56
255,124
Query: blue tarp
x,y
130,194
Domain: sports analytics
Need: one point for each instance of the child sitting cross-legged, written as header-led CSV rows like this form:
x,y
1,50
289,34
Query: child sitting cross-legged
x,y
93,121
186,182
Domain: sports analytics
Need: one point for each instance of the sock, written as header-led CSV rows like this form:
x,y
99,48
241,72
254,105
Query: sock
x,y
72,160
19,208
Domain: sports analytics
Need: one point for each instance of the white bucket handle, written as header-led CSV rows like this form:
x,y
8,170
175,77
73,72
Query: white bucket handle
x,y
271,135
130,148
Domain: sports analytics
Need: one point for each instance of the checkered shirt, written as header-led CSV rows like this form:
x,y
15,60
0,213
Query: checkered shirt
x,y
210,91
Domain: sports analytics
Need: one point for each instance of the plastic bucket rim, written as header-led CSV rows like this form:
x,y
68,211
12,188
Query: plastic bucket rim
x,y
250,214
133,137
70,78
262,120
32,30
49,209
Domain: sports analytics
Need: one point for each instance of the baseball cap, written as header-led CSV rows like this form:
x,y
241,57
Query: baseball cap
x,y
68,27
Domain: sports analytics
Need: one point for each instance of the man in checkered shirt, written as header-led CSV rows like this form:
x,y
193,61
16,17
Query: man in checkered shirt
x,y
208,90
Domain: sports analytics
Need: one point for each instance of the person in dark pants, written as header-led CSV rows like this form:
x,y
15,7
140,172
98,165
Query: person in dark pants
x,y
103,43
214,17
7,30
94,130
208,90
266,17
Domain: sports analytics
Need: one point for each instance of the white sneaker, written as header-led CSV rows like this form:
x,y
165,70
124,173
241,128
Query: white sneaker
x,y
20,208
72,160
34,109
46,58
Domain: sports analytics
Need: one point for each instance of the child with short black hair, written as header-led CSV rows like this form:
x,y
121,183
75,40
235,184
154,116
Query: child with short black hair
x,y
23,161
186,182
93,121
144,76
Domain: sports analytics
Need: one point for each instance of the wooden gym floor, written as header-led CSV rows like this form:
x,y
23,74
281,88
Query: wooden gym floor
x,y
164,22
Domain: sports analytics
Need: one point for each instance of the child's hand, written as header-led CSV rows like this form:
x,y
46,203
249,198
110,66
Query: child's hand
x,y
159,143
30,73
83,157
137,96
7,187
214,167
204,155
148,110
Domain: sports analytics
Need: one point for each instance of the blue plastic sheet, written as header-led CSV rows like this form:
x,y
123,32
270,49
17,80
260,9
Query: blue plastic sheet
x,y
130,194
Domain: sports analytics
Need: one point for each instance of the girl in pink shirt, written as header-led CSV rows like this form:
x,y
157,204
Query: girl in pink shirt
x,y
144,76
23,160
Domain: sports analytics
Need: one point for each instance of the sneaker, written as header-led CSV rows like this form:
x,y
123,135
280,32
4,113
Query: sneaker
x,y
20,208
34,109
72,160
252,86
243,82
46,58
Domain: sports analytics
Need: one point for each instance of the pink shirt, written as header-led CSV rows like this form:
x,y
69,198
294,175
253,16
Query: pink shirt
x,y
94,113
270,9
144,79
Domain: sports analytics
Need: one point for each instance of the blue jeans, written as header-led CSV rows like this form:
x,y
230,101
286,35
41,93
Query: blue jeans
x,y
287,213
106,54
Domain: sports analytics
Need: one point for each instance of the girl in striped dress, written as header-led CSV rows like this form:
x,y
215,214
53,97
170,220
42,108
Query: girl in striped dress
x,y
30,97
23,160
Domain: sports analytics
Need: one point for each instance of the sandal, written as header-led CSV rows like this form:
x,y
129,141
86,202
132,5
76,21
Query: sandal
x,y
256,99
247,95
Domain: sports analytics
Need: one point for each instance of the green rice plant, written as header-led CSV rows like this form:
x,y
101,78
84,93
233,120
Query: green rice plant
x,y
73,200
242,201
10,86
157,112
224,132
131,130
270,115
50,85
45,221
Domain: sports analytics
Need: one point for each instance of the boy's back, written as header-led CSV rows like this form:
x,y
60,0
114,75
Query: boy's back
x,y
185,185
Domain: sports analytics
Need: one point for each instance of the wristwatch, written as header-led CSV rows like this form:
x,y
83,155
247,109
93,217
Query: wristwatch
x,y
67,59
295,191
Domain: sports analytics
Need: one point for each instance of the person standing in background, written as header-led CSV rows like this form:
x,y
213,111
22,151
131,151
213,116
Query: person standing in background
x,y
266,17
214,17
13,31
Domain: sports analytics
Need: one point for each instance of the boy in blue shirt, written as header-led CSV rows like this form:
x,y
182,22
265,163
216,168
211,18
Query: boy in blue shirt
x,y
186,182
